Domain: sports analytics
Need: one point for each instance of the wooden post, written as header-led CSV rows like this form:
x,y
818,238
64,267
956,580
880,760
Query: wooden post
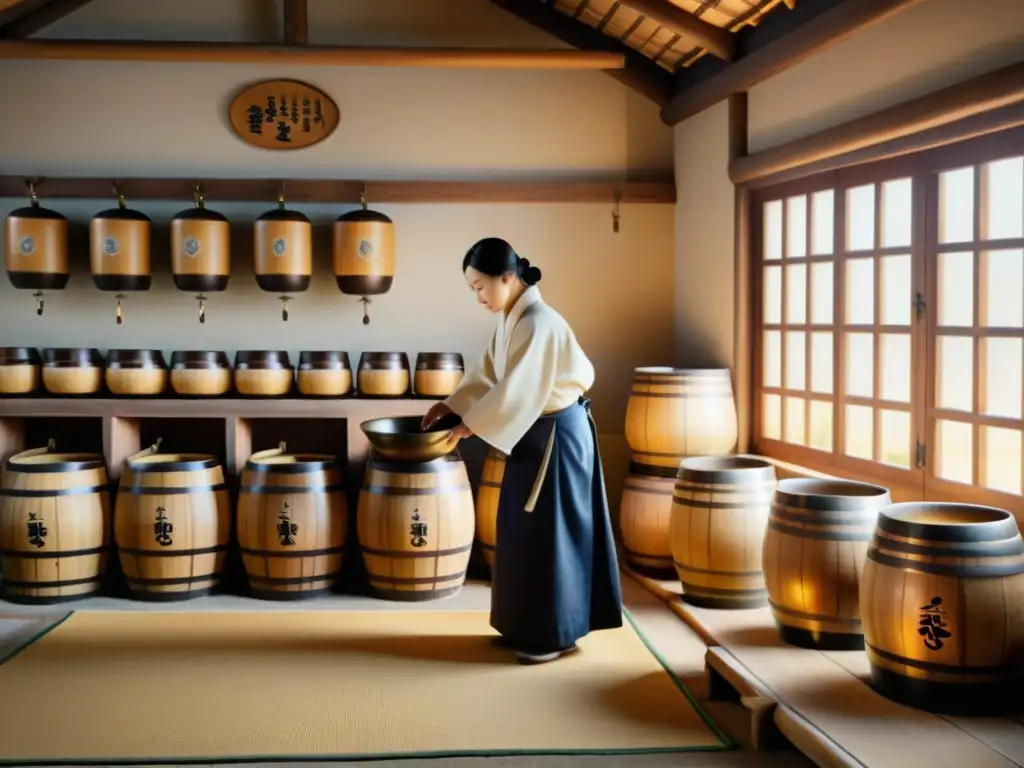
x,y
742,350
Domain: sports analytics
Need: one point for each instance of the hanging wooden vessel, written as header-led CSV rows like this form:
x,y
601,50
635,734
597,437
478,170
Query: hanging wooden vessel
x,y
364,254
36,249
283,245
119,241
200,251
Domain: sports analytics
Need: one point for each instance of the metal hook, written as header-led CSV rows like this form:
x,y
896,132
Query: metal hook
x,y
120,194
32,192
197,193
280,196
615,212
362,197
366,306
284,307
119,314
202,308
38,296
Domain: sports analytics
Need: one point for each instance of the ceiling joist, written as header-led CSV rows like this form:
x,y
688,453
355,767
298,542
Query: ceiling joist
x,y
30,16
717,41
639,73
779,42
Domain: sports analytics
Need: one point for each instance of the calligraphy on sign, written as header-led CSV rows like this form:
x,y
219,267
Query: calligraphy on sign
x,y
283,114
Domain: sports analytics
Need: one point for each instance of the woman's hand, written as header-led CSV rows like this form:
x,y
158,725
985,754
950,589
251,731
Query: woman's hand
x,y
436,413
460,432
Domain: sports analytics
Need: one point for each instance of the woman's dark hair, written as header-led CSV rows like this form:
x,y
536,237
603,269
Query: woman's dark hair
x,y
494,257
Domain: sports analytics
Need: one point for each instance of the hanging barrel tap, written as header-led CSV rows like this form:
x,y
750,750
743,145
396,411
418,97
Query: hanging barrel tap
x,y
119,250
200,250
364,254
36,249
283,243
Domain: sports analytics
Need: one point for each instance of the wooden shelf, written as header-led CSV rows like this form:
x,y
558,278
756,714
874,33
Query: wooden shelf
x,y
191,425
660,190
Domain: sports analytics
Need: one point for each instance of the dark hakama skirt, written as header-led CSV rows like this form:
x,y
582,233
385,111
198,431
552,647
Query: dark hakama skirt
x,y
556,574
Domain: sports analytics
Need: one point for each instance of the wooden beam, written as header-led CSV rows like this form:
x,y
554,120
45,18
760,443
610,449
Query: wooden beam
x,y
309,55
717,41
7,5
639,73
774,46
296,22
39,18
742,370
976,96
348,190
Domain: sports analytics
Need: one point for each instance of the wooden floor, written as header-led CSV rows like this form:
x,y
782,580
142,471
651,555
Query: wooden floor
x,y
822,703
679,645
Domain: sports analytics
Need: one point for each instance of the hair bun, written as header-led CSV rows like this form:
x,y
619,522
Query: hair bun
x,y
529,274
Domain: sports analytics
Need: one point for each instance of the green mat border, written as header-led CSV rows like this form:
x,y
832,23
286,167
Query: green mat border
x,y
727,743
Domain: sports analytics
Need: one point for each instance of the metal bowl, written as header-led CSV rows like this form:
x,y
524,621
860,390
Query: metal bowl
x,y
402,439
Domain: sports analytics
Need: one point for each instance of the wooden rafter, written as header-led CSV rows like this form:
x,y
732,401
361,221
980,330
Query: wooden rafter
x,y
296,24
779,42
37,16
6,7
639,73
310,55
718,42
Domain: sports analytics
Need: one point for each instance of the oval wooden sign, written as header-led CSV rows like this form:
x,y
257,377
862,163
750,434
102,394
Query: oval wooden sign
x,y
283,114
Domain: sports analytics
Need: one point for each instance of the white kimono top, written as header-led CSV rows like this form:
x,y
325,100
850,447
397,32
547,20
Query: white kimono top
x,y
532,365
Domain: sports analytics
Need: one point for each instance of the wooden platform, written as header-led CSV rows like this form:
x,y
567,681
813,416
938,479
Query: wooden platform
x,y
821,703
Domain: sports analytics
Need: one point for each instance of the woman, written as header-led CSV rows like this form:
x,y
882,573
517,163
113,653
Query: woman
x,y
556,576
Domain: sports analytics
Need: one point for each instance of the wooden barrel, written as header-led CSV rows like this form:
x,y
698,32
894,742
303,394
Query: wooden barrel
x,y
19,370
438,373
136,372
283,243
119,240
673,413
487,495
364,252
416,526
200,249
292,523
172,524
384,374
54,526
644,516
72,371
814,551
940,598
263,373
36,248
720,511
200,373
324,374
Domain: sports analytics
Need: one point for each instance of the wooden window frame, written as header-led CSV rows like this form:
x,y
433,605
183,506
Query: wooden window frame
x,y
924,168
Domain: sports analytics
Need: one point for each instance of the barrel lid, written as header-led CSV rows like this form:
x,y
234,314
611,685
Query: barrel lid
x,y
19,356
36,212
324,360
445,361
121,214
292,463
66,357
364,214
173,462
261,359
195,359
135,358
199,214
385,360
282,214
55,462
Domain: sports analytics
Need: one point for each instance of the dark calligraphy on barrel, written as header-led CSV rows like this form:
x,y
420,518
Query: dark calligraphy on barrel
x,y
933,625
286,529
418,530
163,528
36,530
